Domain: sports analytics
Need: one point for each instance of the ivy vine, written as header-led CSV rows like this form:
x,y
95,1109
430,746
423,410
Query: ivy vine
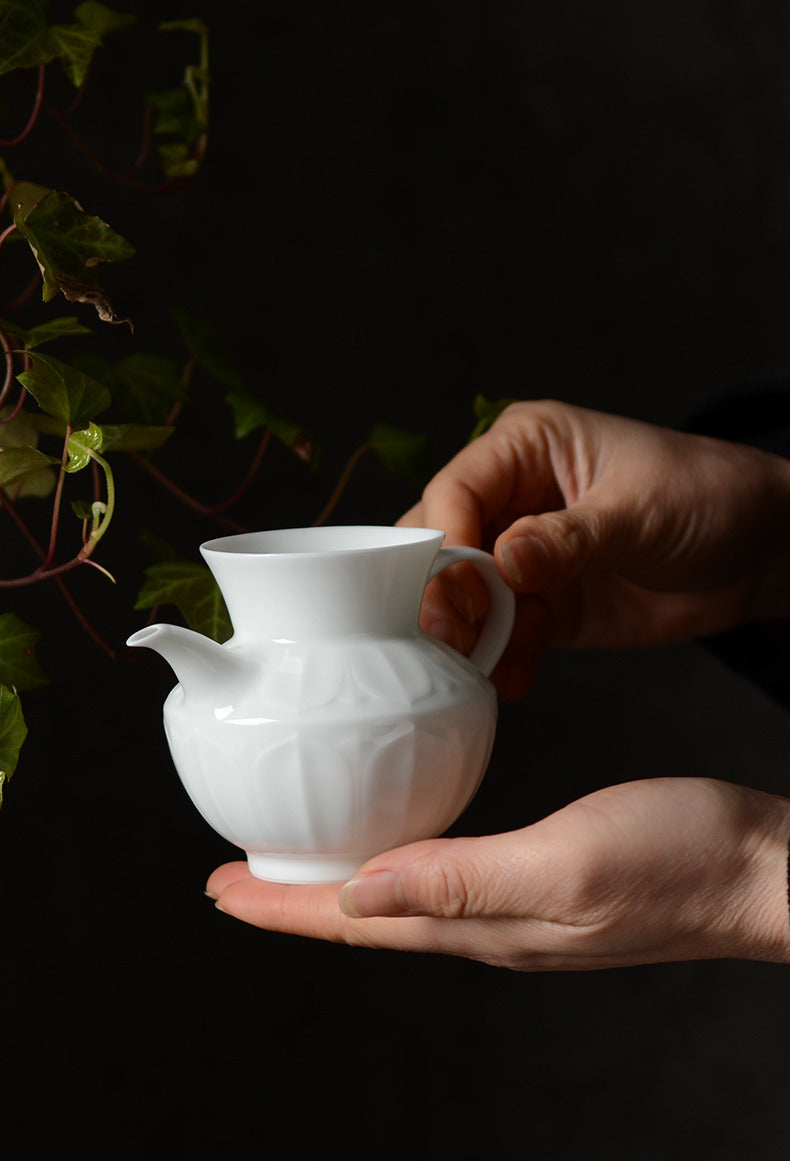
x,y
64,422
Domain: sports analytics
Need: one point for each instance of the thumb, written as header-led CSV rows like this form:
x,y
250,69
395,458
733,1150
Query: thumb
x,y
458,878
540,553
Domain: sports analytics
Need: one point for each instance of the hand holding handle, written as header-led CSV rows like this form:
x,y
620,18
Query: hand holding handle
x,y
498,622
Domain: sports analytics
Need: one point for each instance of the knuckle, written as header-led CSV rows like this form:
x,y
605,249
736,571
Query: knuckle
x,y
578,534
448,889
581,535
513,413
448,484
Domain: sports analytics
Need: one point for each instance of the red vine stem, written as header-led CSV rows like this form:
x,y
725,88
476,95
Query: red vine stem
x,y
9,368
22,298
146,142
20,582
75,104
28,129
92,632
244,486
185,498
8,230
342,483
186,376
17,407
5,197
167,186
6,504
218,510
53,532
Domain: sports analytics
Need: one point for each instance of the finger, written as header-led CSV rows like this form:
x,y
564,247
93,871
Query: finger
x,y
454,604
224,875
505,472
290,908
413,518
466,590
534,632
440,618
540,553
314,912
462,878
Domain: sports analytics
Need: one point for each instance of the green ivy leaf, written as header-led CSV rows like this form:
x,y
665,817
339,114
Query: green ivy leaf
x,y
102,19
135,436
75,45
159,548
193,24
28,474
143,386
182,113
196,77
486,412
250,414
63,391
207,350
82,445
13,732
401,452
68,245
29,41
24,463
83,509
23,196
57,328
125,437
176,159
194,592
22,29
174,114
18,665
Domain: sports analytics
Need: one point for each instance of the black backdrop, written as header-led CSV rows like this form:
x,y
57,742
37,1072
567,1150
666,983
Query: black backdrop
x,y
405,205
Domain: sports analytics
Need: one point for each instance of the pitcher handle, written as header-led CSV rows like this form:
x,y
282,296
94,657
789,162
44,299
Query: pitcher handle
x,y
498,622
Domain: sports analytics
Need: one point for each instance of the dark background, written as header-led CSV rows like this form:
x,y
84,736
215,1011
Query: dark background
x,y
405,205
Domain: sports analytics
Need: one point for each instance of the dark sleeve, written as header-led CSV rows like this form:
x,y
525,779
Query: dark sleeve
x,y
757,414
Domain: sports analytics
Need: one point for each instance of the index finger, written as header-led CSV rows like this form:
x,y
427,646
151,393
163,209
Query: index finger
x,y
313,911
505,473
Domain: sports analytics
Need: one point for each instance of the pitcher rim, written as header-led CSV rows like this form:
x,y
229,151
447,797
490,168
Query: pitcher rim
x,y
233,544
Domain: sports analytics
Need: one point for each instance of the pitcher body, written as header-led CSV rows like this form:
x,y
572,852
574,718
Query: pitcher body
x,y
330,727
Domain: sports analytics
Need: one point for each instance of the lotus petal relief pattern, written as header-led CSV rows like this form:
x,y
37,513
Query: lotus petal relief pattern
x,y
337,748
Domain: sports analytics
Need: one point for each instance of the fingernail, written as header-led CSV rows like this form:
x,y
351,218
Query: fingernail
x,y
378,893
526,557
512,567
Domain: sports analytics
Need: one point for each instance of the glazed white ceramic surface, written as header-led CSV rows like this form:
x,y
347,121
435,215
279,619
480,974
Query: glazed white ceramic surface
x,y
330,728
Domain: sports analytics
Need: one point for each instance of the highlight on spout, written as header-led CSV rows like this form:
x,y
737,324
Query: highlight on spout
x,y
142,636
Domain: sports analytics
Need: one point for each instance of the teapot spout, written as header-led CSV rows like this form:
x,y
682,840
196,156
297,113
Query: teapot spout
x,y
198,662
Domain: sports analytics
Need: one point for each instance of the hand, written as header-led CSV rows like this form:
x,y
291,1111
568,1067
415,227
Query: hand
x,y
614,533
658,870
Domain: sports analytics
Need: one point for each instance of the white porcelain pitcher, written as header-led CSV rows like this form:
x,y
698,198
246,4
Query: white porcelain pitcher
x,y
330,728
